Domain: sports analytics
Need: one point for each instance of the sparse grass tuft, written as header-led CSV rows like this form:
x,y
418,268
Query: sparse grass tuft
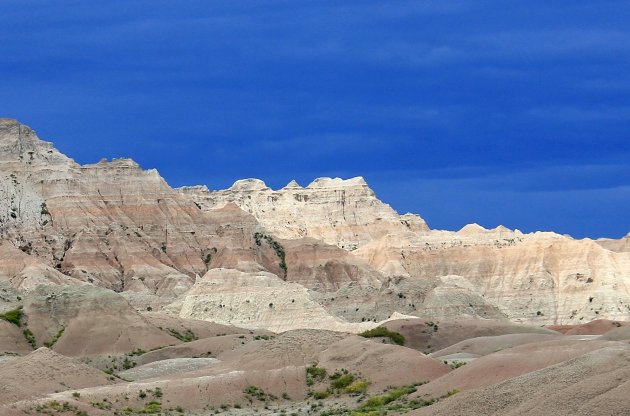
x,y
254,392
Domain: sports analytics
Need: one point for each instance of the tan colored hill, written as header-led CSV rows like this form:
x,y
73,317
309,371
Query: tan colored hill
x,y
110,223
44,371
508,363
596,327
592,384
476,347
431,336
87,321
12,340
274,367
268,375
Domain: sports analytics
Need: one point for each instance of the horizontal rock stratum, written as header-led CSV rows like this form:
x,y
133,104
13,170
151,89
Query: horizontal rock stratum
x,y
122,295
334,249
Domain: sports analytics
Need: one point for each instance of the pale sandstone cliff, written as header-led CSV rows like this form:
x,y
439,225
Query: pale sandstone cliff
x,y
346,256
345,213
112,224
540,278
255,300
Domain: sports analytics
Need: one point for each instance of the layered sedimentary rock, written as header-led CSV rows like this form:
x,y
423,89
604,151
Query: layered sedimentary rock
x,y
350,257
254,300
541,278
111,224
345,213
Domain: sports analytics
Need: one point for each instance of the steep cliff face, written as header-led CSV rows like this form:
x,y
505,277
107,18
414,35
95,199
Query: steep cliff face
x,y
345,213
111,224
331,249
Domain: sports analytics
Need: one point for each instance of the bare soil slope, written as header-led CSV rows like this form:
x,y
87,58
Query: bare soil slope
x,y
42,372
595,383
430,336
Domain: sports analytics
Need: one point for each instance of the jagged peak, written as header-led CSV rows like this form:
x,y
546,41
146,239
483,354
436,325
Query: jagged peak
x,y
293,185
193,189
124,161
12,129
249,184
327,182
502,229
120,162
415,222
21,148
473,228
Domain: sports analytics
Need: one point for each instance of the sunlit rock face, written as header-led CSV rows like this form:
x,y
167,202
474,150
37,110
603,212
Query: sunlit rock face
x,y
540,278
342,254
345,213
111,224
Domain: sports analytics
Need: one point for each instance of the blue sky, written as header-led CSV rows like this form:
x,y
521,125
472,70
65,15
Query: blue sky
x,y
496,112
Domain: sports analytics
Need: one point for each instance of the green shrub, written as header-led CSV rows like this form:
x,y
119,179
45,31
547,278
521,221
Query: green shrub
x,y
357,387
127,364
14,316
451,393
317,373
152,407
187,336
138,351
104,405
252,392
381,331
157,392
55,337
321,395
277,248
342,382
456,364
30,338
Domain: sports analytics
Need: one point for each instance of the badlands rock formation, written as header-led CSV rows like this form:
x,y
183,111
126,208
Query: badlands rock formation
x,y
248,300
345,213
540,278
117,226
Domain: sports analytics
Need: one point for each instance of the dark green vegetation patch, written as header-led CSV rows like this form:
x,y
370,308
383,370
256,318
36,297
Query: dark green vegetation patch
x,y
382,332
